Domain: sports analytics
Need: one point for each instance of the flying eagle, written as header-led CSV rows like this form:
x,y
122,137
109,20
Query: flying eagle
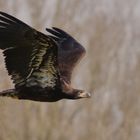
x,y
40,65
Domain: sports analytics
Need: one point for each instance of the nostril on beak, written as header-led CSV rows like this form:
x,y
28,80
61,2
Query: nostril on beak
x,y
88,95
85,95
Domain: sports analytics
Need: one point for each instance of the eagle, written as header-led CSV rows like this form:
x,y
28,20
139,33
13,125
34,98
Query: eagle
x,y
40,65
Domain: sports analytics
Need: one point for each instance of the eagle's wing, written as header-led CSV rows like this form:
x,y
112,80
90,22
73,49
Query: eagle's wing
x,y
69,52
30,56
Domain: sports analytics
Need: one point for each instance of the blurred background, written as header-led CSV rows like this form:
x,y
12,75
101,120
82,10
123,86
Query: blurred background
x,y
110,32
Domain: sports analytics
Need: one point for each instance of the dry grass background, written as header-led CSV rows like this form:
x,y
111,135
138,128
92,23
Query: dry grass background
x,y
110,31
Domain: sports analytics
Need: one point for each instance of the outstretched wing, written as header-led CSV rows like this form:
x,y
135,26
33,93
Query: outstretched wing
x,y
69,52
30,56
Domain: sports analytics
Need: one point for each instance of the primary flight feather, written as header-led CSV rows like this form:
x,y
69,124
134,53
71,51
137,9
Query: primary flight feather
x,y
40,65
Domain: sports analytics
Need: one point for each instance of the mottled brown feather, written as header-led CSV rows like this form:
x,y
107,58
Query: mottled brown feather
x,y
70,52
29,55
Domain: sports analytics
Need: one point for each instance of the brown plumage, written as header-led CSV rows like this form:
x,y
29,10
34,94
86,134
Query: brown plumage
x,y
40,65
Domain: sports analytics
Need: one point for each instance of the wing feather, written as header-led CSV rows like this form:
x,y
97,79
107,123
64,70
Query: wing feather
x,y
70,52
30,56
44,67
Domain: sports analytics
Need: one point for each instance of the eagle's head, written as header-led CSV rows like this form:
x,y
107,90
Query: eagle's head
x,y
71,93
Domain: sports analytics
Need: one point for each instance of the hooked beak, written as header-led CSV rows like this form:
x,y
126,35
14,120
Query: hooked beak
x,y
84,95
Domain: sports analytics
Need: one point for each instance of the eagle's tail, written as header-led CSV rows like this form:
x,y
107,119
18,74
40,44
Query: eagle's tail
x,y
9,93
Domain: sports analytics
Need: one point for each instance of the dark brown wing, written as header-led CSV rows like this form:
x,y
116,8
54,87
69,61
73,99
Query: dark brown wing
x,y
70,52
30,56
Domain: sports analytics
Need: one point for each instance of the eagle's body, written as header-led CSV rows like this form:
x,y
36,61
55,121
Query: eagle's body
x,y
40,65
